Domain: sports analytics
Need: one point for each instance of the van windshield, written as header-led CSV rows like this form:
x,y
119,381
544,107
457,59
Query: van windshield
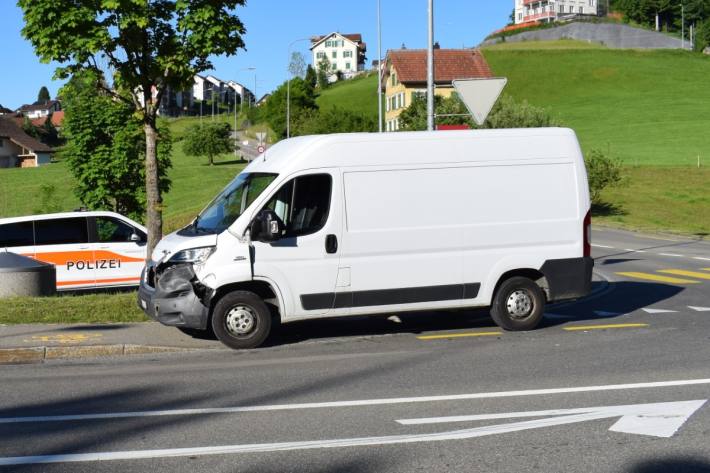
x,y
231,203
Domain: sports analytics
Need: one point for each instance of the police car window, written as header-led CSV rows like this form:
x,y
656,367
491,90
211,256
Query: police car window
x,y
61,231
16,234
111,230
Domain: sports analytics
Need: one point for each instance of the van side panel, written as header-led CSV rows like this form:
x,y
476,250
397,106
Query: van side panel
x,y
396,242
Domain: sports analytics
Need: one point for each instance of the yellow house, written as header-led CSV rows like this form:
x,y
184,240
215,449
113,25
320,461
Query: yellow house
x,y
405,75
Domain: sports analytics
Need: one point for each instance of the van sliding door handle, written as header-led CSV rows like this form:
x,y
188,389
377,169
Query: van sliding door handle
x,y
331,244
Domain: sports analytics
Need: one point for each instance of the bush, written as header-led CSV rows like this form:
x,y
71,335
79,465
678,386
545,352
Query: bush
x,y
602,172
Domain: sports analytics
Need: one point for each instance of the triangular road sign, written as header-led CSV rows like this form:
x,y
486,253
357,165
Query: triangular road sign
x,y
479,95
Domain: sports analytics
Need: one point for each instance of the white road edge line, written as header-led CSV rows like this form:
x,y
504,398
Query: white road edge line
x,y
355,403
671,254
603,246
701,258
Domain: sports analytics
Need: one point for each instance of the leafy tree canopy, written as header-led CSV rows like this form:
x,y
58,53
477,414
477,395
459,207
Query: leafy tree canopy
x,y
43,95
209,140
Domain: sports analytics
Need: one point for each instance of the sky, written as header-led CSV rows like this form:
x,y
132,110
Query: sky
x,y
271,26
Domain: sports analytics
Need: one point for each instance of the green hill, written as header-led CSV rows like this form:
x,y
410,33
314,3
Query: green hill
x,y
358,95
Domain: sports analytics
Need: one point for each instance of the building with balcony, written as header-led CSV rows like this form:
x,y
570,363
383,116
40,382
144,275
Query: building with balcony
x,y
527,11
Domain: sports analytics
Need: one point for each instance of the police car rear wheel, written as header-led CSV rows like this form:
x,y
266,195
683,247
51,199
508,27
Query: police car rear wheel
x,y
241,319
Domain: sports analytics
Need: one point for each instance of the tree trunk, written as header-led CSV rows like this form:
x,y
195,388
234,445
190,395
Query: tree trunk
x,y
154,201
211,160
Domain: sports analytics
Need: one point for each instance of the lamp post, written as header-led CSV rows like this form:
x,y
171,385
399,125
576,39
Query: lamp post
x,y
236,135
379,68
430,70
288,87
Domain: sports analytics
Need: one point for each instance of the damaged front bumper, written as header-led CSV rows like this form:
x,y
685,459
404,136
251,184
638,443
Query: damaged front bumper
x,y
174,297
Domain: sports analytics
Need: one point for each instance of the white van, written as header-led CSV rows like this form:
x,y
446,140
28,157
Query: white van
x,y
89,249
338,225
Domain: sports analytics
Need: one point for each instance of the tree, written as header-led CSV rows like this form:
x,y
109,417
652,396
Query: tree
x,y
507,113
297,65
43,95
323,73
29,128
105,148
208,139
148,46
311,77
274,110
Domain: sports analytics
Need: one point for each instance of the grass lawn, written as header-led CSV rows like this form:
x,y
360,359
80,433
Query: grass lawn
x,y
357,95
66,309
665,199
646,107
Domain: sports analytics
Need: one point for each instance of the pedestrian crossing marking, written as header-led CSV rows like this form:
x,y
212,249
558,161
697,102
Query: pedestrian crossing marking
x,y
683,272
658,278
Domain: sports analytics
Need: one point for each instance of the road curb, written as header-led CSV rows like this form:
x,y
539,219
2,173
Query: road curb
x,y
15,356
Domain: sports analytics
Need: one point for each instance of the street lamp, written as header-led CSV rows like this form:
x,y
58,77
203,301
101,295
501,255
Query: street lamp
x,y
236,135
288,88
379,68
430,70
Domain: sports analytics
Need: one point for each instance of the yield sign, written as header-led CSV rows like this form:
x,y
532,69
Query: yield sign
x,y
479,95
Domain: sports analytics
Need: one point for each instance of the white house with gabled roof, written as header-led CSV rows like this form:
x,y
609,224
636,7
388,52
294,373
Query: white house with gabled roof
x,y
345,53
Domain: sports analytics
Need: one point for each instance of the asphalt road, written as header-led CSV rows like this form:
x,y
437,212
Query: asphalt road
x,y
619,382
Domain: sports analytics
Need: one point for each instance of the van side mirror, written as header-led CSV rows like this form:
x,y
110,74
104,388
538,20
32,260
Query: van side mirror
x,y
266,226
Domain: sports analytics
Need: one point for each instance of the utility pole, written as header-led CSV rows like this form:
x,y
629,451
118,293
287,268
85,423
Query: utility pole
x,y
379,68
430,70
682,26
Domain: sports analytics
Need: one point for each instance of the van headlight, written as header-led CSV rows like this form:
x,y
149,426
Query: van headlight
x,y
196,256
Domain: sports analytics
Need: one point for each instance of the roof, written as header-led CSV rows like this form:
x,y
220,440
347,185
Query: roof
x,y
354,37
14,132
57,119
5,110
38,106
449,64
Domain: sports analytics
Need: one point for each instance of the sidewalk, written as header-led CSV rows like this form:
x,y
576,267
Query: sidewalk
x,y
37,342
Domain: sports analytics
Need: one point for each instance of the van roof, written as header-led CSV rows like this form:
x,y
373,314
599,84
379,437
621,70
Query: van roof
x,y
419,147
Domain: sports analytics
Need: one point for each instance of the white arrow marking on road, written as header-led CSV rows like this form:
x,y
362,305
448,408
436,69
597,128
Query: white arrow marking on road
x,y
699,309
659,311
660,420
657,420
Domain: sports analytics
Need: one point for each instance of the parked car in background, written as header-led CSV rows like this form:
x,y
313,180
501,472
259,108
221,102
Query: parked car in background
x,y
89,249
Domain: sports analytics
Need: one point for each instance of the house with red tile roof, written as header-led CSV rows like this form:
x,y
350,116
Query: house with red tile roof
x,y
18,149
405,75
345,53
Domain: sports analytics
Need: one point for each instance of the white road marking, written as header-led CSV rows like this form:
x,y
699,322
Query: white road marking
x,y
701,258
672,254
603,246
659,311
699,309
355,403
658,420
632,250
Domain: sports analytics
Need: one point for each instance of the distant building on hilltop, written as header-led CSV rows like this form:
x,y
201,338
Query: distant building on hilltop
x,y
405,72
345,53
528,11
40,109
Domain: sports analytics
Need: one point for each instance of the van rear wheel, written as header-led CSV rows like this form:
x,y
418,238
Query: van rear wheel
x,y
519,304
241,319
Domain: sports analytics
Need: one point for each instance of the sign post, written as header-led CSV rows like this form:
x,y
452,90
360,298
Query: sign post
x,y
479,95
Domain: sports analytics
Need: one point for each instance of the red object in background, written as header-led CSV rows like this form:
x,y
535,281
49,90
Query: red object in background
x,y
453,127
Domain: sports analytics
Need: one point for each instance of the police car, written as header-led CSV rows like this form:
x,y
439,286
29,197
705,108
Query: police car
x,y
89,249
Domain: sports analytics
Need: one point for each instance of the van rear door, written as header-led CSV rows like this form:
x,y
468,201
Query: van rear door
x,y
64,242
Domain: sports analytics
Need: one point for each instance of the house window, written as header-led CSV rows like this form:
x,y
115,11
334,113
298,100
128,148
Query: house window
x,y
394,79
520,16
335,54
581,10
562,8
347,54
347,65
320,55
333,66
571,9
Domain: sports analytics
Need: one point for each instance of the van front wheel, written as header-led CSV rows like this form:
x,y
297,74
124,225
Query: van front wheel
x,y
519,304
241,319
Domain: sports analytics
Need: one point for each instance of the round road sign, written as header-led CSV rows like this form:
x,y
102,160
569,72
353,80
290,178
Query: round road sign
x,y
261,149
